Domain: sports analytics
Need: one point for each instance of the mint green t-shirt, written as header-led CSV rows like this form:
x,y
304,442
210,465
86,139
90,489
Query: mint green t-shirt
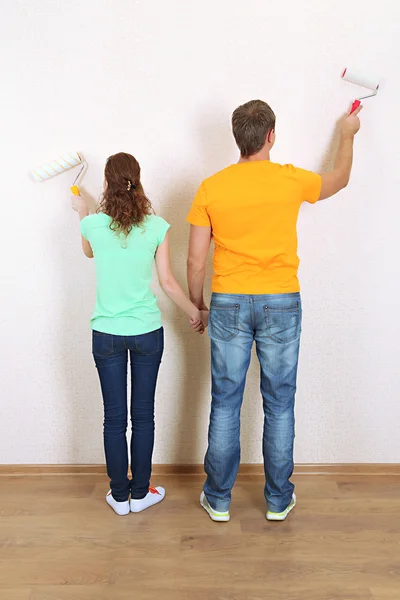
x,y
125,304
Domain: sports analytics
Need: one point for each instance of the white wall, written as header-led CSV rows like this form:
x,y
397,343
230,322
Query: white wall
x,y
160,79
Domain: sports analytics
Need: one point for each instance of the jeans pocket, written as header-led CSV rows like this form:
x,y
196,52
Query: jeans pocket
x,y
283,324
102,344
149,343
224,322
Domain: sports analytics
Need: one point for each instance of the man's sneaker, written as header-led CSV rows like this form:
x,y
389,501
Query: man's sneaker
x,y
273,516
214,514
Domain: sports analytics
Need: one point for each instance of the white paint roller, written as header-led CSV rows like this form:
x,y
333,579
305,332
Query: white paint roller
x,y
362,80
59,165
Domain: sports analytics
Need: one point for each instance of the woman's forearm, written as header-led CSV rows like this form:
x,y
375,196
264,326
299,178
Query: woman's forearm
x,y
177,295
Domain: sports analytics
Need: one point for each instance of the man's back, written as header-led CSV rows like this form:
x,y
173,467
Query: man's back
x,y
252,208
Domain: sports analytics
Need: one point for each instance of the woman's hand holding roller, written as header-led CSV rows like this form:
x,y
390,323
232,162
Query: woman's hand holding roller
x,y
78,204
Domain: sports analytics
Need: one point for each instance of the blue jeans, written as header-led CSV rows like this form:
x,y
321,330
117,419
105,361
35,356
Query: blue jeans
x,y
111,357
273,321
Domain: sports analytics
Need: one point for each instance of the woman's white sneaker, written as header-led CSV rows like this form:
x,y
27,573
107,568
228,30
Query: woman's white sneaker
x,y
154,496
121,508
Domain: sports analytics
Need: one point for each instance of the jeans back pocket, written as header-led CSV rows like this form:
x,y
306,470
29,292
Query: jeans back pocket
x,y
283,324
102,344
224,321
150,343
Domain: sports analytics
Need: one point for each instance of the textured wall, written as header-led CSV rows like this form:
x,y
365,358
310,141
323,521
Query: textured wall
x,y
160,79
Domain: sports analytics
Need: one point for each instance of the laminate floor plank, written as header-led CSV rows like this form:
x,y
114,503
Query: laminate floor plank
x,y
60,541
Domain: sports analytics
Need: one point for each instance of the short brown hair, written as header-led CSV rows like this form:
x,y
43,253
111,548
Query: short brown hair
x,y
124,199
251,123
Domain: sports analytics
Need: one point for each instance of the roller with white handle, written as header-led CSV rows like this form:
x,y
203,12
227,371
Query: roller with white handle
x,y
362,80
59,165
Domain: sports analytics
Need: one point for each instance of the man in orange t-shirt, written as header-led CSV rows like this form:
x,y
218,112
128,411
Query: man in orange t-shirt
x,y
250,211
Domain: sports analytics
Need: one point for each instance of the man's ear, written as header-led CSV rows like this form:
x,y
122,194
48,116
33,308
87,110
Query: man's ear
x,y
270,136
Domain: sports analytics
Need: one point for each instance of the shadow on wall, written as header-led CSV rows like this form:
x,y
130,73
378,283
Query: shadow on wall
x,y
328,158
188,437
216,143
191,351
80,388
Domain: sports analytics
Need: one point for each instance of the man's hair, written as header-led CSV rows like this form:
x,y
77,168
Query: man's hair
x,y
251,123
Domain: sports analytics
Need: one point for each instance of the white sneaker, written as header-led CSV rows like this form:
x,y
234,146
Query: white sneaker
x,y
154,496
121,508
273,516
214,514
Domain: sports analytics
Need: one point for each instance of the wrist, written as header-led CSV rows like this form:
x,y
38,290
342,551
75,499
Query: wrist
x,y
347,135
201,305
196,316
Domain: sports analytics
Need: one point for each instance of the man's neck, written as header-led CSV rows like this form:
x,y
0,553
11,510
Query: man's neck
x,y
262,155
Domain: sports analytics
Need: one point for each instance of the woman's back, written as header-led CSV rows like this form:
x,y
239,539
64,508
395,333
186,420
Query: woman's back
x,y
125,304
125,238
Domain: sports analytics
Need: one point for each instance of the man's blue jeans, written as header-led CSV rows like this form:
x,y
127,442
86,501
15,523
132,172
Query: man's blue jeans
x,y
273,321
111,357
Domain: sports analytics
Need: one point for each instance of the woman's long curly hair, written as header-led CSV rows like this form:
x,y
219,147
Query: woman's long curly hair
x,y
124,199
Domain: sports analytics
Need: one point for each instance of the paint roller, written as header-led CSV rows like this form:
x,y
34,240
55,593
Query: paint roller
x,y
363,81
59,165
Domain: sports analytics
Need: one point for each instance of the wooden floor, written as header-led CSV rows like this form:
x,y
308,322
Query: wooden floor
x,y
60,541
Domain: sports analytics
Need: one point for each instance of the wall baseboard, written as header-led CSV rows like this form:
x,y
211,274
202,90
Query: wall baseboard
x,y
197,469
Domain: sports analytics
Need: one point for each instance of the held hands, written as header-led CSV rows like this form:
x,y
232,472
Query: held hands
x,y
351,123
200,323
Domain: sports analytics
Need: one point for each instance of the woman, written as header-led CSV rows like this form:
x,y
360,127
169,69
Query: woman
x,y
125,237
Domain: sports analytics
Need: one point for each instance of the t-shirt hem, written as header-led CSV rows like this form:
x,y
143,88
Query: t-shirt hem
x,y
197,224
317,190
112,327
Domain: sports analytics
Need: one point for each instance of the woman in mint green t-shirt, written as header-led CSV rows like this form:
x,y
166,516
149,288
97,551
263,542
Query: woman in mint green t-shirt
x,y
125,238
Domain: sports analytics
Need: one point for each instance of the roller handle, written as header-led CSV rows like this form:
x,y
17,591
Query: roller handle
x,y
75,190
355,105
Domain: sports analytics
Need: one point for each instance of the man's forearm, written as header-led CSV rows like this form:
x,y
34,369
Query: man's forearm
x,y
344,158
337,179
196,276
199,246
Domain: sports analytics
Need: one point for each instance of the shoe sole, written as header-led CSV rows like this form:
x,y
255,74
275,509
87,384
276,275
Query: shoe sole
x,y
282,516
214,515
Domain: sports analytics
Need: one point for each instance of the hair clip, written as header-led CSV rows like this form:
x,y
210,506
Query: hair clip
x,y
130,185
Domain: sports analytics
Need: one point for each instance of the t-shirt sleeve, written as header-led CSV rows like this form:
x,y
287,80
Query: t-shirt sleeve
x,y
198,214
310,184
84,228
162,228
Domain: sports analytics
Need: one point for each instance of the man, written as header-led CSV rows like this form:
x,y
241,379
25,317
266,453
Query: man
x,y
250,210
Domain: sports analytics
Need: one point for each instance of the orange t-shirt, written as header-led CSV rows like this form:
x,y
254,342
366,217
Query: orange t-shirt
x,y
252,208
